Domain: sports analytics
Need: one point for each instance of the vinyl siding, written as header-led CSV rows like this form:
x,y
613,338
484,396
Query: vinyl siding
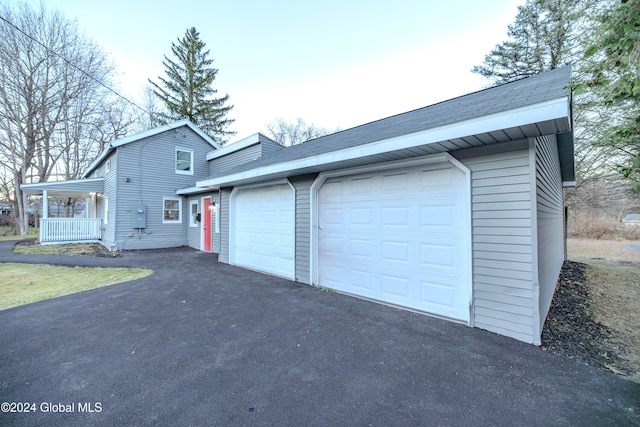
x,y
149,164
269,147
302,185
215,238
234,159
503,299
550,212
224,225
110,191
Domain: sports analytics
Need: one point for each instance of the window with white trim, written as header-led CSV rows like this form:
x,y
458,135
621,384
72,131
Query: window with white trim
x,y
193,213
107,166
184,161
171,210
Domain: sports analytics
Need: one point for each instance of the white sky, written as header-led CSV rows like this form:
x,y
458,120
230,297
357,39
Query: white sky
x,y
335,63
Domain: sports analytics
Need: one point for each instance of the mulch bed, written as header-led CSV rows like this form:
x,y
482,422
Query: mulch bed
x,y
570,330
87,249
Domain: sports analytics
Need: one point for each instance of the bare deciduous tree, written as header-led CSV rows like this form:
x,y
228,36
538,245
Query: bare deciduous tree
x,y
53,95
286,134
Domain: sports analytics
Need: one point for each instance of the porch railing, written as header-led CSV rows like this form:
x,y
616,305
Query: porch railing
x,y
70,229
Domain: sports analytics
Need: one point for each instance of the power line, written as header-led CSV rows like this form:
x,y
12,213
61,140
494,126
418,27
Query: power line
x,y
72,64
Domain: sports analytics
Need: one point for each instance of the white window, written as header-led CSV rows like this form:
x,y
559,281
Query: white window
x,y
193,211
171,210
107,166
184,161
106,210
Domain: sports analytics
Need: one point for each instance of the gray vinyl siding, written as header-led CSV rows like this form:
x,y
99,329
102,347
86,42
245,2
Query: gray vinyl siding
x,y
149,167
269,147
550,221
110,191
302,185
223,256
503,300
234,159
215,239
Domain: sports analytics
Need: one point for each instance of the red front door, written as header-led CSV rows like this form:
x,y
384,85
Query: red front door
x,y
206,224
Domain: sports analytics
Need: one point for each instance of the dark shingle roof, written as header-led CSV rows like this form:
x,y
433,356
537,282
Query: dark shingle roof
x,y
529,91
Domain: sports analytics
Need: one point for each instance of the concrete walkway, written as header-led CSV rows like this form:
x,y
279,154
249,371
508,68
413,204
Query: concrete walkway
x,y
209,344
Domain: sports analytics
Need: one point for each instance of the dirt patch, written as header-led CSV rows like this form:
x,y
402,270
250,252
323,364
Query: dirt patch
x,y
34,247
594,313
571,329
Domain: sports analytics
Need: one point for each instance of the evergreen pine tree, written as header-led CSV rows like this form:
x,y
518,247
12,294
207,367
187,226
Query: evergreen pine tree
x,y
613,77
546,35
187,91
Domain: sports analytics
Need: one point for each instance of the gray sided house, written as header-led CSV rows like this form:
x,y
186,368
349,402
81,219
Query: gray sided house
x,y
131,190
455,209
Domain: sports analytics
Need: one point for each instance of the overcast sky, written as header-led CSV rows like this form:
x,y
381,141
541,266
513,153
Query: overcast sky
x,y
335,63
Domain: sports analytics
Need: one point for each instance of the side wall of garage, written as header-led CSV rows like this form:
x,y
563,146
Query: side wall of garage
x,y
223,256
550,221
503,255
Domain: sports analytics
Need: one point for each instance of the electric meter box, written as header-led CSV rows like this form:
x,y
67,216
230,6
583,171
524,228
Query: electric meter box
x,y
140,216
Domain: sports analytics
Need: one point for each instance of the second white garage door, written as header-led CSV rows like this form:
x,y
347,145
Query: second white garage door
x,y
398,236
263,229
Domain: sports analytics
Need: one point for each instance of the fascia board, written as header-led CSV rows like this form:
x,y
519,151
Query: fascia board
x,y
98,161
549,110
34,188
164,128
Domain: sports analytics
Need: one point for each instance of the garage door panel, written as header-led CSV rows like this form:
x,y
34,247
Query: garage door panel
x,y
438,256
394,181
403,240
361,249
437,294
395,286
396,252
395,216
362,279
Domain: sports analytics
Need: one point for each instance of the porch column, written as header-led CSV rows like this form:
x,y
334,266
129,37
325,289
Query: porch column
x,y
45,204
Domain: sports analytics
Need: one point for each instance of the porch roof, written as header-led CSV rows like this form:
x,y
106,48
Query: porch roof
x,y
71,188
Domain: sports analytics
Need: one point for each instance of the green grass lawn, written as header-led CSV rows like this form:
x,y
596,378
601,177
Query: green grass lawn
x,y
27,283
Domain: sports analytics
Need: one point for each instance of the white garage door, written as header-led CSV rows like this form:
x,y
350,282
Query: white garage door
x,y
398,236
263,229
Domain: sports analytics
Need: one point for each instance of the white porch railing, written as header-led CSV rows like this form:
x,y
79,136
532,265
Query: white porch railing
x,y
70,229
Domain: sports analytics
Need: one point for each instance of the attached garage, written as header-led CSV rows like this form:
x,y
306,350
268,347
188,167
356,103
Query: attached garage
x,y
454,209
262,228
399,236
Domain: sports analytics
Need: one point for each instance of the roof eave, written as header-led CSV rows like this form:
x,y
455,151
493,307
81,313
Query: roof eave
x,y
557,109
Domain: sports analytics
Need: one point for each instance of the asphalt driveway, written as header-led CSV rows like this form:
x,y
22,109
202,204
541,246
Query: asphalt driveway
x,y
202,343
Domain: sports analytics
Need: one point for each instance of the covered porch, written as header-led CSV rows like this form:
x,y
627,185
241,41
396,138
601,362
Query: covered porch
x,y
69,230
